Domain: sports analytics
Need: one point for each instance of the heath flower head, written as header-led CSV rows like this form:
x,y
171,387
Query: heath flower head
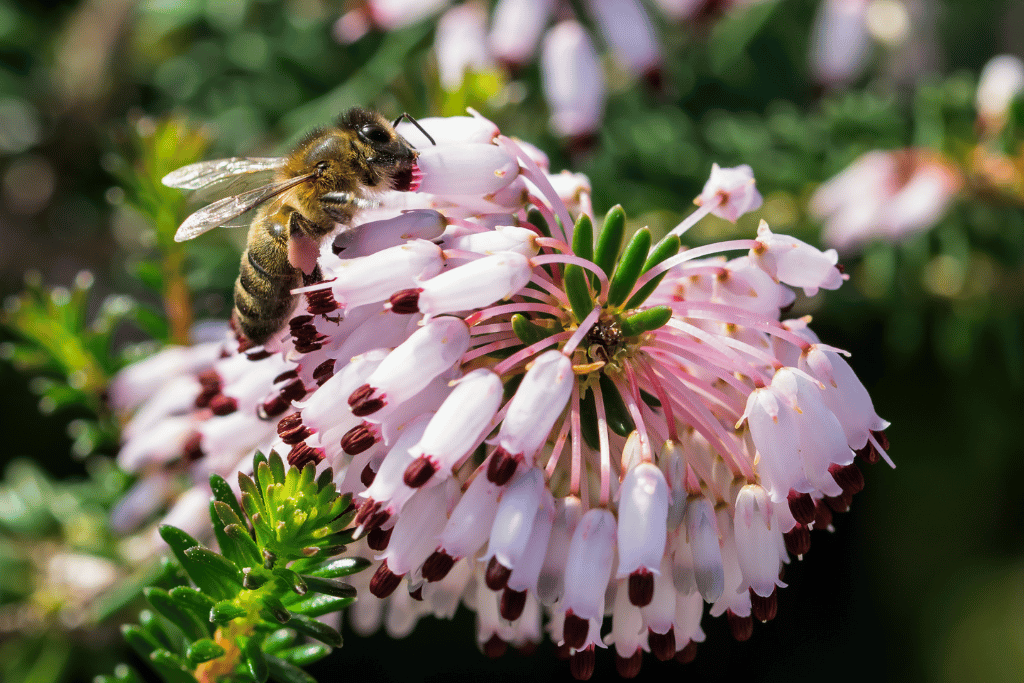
x,y
544,417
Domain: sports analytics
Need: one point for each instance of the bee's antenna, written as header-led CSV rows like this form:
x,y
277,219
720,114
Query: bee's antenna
x,y
415,123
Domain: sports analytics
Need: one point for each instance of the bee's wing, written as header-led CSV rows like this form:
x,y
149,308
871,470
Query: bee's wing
x,y
220,212
195,176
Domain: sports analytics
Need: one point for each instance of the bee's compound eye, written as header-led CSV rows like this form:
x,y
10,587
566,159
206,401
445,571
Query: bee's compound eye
x,y
322,165
374,133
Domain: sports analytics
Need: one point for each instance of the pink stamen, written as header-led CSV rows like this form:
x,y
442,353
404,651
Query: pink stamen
x,y
531,170
630,397
692,219
576,261
556,450
516,358
691,254
606,453
577,441
581,331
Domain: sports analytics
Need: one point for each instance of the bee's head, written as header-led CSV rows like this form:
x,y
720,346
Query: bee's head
x,y
383,158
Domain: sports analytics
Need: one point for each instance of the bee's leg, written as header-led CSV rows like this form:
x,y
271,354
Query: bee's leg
x,y
340,206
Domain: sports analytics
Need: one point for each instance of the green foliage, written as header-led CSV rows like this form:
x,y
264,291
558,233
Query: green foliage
x,y
222,619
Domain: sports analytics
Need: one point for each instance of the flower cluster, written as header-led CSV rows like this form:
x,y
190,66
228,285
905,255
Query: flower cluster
x,y
887,195
538,417
574,81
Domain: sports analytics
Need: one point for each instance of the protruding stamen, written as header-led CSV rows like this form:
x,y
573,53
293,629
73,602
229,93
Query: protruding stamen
x,y
384,581
358,439
512,603
496,575
581,663
437,566
742,627
575,630
419,472
663,645
629,667
764,609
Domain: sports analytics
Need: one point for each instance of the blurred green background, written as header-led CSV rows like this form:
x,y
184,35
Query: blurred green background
x,y
923,579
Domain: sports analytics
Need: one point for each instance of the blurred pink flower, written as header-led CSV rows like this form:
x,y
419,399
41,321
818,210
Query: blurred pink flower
x,y
535,432
885,195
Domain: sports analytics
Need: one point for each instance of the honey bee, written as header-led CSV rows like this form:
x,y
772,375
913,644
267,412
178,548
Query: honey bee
x,y
318,188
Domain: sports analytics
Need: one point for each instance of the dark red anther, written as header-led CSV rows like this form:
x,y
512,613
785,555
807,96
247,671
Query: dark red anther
x,y
512,603
358,439
798,540
272,408
527,648
299,321
419,472
629,667
223,405
286,375
367,475
293,391
324,372
840,503
687,654
262,354
581,663
801,505
575,630
822,516
192,450
309,347
641,587
437,566
406,301
302,455
417,593
501,467
362,402
321,302
378,538
496,575
495,647
366,510
209,379
742,627
291,430
764,609
663,645
384,581
848,476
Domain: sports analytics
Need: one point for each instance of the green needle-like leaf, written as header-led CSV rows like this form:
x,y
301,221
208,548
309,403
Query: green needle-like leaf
x,y
609,240
203,651
317,605
192,625
304,655
665,249
616,412
629,267
222,492
315,629
333,587
345,566
646,320
140,640
256,661
171,667
583,238
287,673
